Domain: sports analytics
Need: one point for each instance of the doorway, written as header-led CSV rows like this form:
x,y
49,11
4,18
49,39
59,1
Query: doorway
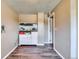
x,y
51,30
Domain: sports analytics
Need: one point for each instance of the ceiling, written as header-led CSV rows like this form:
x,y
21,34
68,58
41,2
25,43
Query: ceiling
x,y
32,6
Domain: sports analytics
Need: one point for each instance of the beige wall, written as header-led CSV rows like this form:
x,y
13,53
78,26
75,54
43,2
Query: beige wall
x,y
10,35
62,35
28,18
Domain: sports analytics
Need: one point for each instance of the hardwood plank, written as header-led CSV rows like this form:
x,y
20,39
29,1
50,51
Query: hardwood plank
x,y
33,52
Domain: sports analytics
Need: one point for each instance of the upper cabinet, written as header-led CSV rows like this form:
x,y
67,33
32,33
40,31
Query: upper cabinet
x,y
28,18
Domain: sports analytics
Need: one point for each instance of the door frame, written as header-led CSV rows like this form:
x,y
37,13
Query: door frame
x,y
50,30
54,29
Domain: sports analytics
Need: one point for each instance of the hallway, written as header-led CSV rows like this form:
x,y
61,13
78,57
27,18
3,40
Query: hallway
x,y
33,52
30,25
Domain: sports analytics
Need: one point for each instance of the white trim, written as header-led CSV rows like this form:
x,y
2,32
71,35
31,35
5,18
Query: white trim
x,y
73,28
59,54
54,29
47,42
40,44
9,52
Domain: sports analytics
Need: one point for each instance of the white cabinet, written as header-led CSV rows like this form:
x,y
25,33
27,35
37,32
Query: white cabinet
x,y
24,40
34,37
28,40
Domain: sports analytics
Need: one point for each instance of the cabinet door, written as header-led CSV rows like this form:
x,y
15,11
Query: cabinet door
x,y
34,37
24,40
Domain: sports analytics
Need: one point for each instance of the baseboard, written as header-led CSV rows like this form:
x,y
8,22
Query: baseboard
x,y
59,54
10,52
40,44
27,45
48,42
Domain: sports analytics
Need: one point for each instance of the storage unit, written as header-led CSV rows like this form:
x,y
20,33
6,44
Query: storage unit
x,y
28,34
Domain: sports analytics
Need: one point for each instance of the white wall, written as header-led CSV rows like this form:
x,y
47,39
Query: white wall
x,y
10,35
28,18
46,29
41,28
62,33
73,29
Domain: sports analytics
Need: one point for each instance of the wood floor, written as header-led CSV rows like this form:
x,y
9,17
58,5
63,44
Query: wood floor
x,y
33,52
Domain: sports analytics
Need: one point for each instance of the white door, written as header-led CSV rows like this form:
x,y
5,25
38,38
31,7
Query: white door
x,y
50,30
